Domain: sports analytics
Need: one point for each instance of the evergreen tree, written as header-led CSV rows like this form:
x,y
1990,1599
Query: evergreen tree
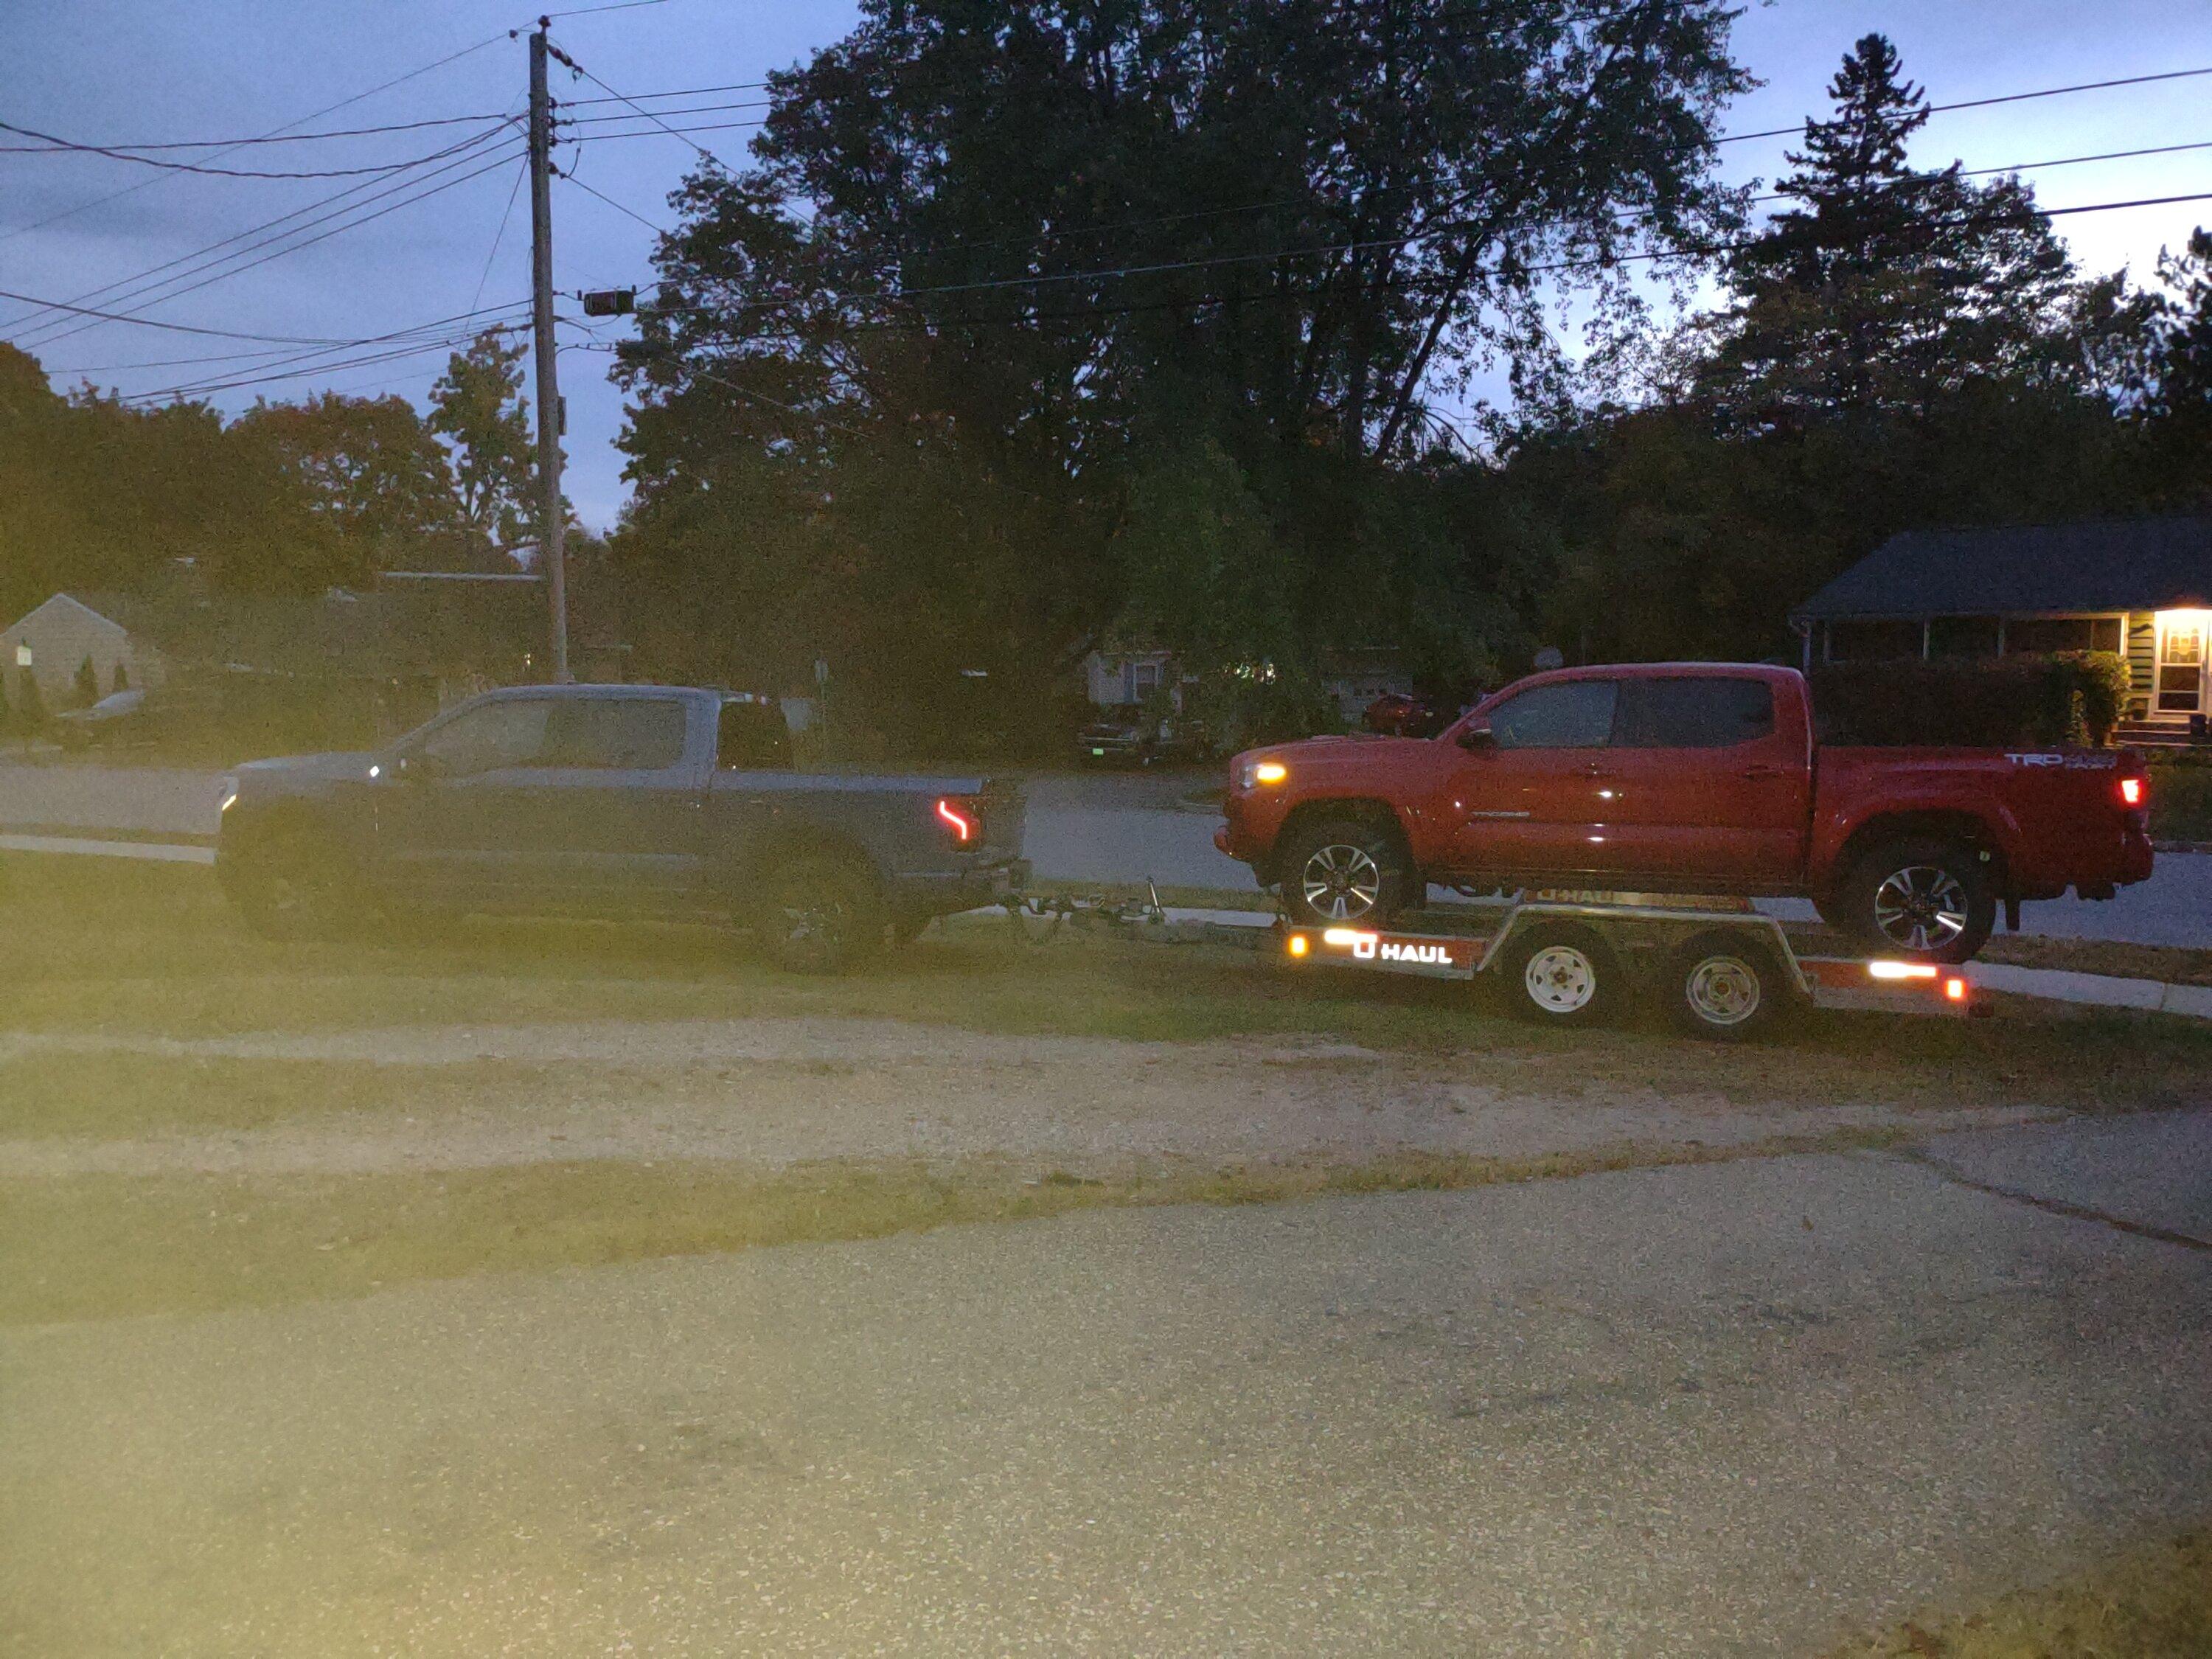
x,y
1889,287
88,685
122,680
30,706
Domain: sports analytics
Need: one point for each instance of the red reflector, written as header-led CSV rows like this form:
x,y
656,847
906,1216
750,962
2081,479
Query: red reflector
x,y
1955,989
2131,792
962,827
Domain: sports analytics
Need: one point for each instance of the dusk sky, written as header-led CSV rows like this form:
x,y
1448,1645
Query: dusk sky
x,y
143,71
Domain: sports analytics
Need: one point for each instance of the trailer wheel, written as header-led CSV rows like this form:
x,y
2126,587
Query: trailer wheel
x,y
1563,975
1725,988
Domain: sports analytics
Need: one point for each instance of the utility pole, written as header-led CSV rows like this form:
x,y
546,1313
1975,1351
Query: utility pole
x,y
548,387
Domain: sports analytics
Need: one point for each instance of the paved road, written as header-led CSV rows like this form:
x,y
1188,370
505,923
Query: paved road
x,y
1740,1409
1082,827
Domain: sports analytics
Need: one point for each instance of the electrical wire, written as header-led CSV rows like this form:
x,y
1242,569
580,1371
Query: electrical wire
x,y
328,109
566,58
618,206
212,274
521,173
1984,103
404,341
129,287
55,146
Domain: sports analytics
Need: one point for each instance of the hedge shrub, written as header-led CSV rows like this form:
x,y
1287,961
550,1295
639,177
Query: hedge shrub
x,y
2181,796
2073,697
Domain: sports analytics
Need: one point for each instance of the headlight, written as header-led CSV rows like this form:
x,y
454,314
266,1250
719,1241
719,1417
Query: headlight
x,y
229,795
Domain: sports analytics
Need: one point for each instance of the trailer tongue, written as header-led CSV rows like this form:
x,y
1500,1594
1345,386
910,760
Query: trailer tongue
x,y
1722,970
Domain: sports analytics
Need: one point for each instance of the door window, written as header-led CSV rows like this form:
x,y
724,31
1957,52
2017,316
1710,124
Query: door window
x,y
629,734
489,737
1693,713
1567,715
753,737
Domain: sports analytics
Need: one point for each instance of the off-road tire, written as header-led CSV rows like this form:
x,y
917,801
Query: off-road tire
x,y
1559,974
1725,988
1923,898
821,916
1341,873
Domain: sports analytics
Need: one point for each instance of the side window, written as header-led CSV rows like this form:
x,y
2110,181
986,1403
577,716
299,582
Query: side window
x,y
1568,714
494,735
630,734
753,738
1693,713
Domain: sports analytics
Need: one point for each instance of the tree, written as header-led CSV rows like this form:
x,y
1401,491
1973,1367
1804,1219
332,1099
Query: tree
x,y
1010,281
121,681
2171,380
1890,288
477,406
369,465
30,707
86,686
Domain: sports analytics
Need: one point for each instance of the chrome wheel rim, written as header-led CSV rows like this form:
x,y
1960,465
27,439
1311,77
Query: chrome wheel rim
x,y
1922,907
1722,991
1560,979
815,927
1341,882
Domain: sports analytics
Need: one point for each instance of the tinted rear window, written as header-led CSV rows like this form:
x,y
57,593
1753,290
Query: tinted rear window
x,y
1567,715
753,739
641,734
1693,713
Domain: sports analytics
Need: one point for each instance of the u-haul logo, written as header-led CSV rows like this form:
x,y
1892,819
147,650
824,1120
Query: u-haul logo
x,y
1438,956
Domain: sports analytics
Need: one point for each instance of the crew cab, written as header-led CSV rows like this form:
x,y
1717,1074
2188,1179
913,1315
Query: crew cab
x,y
622,801
1686,777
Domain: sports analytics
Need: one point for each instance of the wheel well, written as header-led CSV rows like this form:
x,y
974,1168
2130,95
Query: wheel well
x,y
821,846
1375,813
1962,827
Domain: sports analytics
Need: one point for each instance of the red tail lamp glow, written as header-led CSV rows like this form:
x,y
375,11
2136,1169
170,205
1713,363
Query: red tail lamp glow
x,y
2131,792
963,826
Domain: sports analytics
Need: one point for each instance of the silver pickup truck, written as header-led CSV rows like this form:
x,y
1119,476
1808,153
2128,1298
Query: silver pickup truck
x,y
622,801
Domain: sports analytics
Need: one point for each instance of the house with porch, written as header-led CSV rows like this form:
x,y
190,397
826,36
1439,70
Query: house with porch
x,y
2142,587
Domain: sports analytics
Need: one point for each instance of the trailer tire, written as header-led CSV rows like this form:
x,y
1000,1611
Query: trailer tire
x,y
1725,988
1343,871
1922,897
1560,974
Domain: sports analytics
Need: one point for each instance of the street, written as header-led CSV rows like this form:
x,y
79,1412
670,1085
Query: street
x,y
1086,826
1742,1409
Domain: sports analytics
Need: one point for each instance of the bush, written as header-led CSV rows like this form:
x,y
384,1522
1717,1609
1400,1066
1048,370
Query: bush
x,y
2072,698
88,685
2181,796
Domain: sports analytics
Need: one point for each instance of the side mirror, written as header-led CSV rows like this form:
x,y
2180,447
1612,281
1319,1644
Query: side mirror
x,y
1477,736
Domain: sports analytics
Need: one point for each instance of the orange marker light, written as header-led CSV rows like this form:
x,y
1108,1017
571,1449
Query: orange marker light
x,y
1299,945
1955,989
962,827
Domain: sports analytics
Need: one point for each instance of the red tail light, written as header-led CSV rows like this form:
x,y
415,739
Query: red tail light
x,y
2132,791
963,824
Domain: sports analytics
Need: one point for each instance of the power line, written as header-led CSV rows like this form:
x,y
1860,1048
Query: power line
x,y
393,341
328,109
615,5
500,235
623,97
679,91
67,147
175,328
1984,103
618,206
175,292
278,138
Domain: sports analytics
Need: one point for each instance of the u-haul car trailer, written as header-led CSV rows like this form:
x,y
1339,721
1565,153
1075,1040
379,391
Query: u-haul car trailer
x,y
1722,968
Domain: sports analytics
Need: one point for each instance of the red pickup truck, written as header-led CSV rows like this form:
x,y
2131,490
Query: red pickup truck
x,y
1686,777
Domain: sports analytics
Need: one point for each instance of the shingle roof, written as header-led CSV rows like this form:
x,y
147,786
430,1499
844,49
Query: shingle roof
x,y
2126,564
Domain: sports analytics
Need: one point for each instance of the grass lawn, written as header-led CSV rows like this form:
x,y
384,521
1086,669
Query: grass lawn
x,y
2153,1603
105,951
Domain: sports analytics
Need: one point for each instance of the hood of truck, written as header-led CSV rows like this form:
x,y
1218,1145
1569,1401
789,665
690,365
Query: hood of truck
x,y
336,767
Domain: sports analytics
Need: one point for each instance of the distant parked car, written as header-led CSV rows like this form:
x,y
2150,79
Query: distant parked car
x,y
118,717
1136,740
622,801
